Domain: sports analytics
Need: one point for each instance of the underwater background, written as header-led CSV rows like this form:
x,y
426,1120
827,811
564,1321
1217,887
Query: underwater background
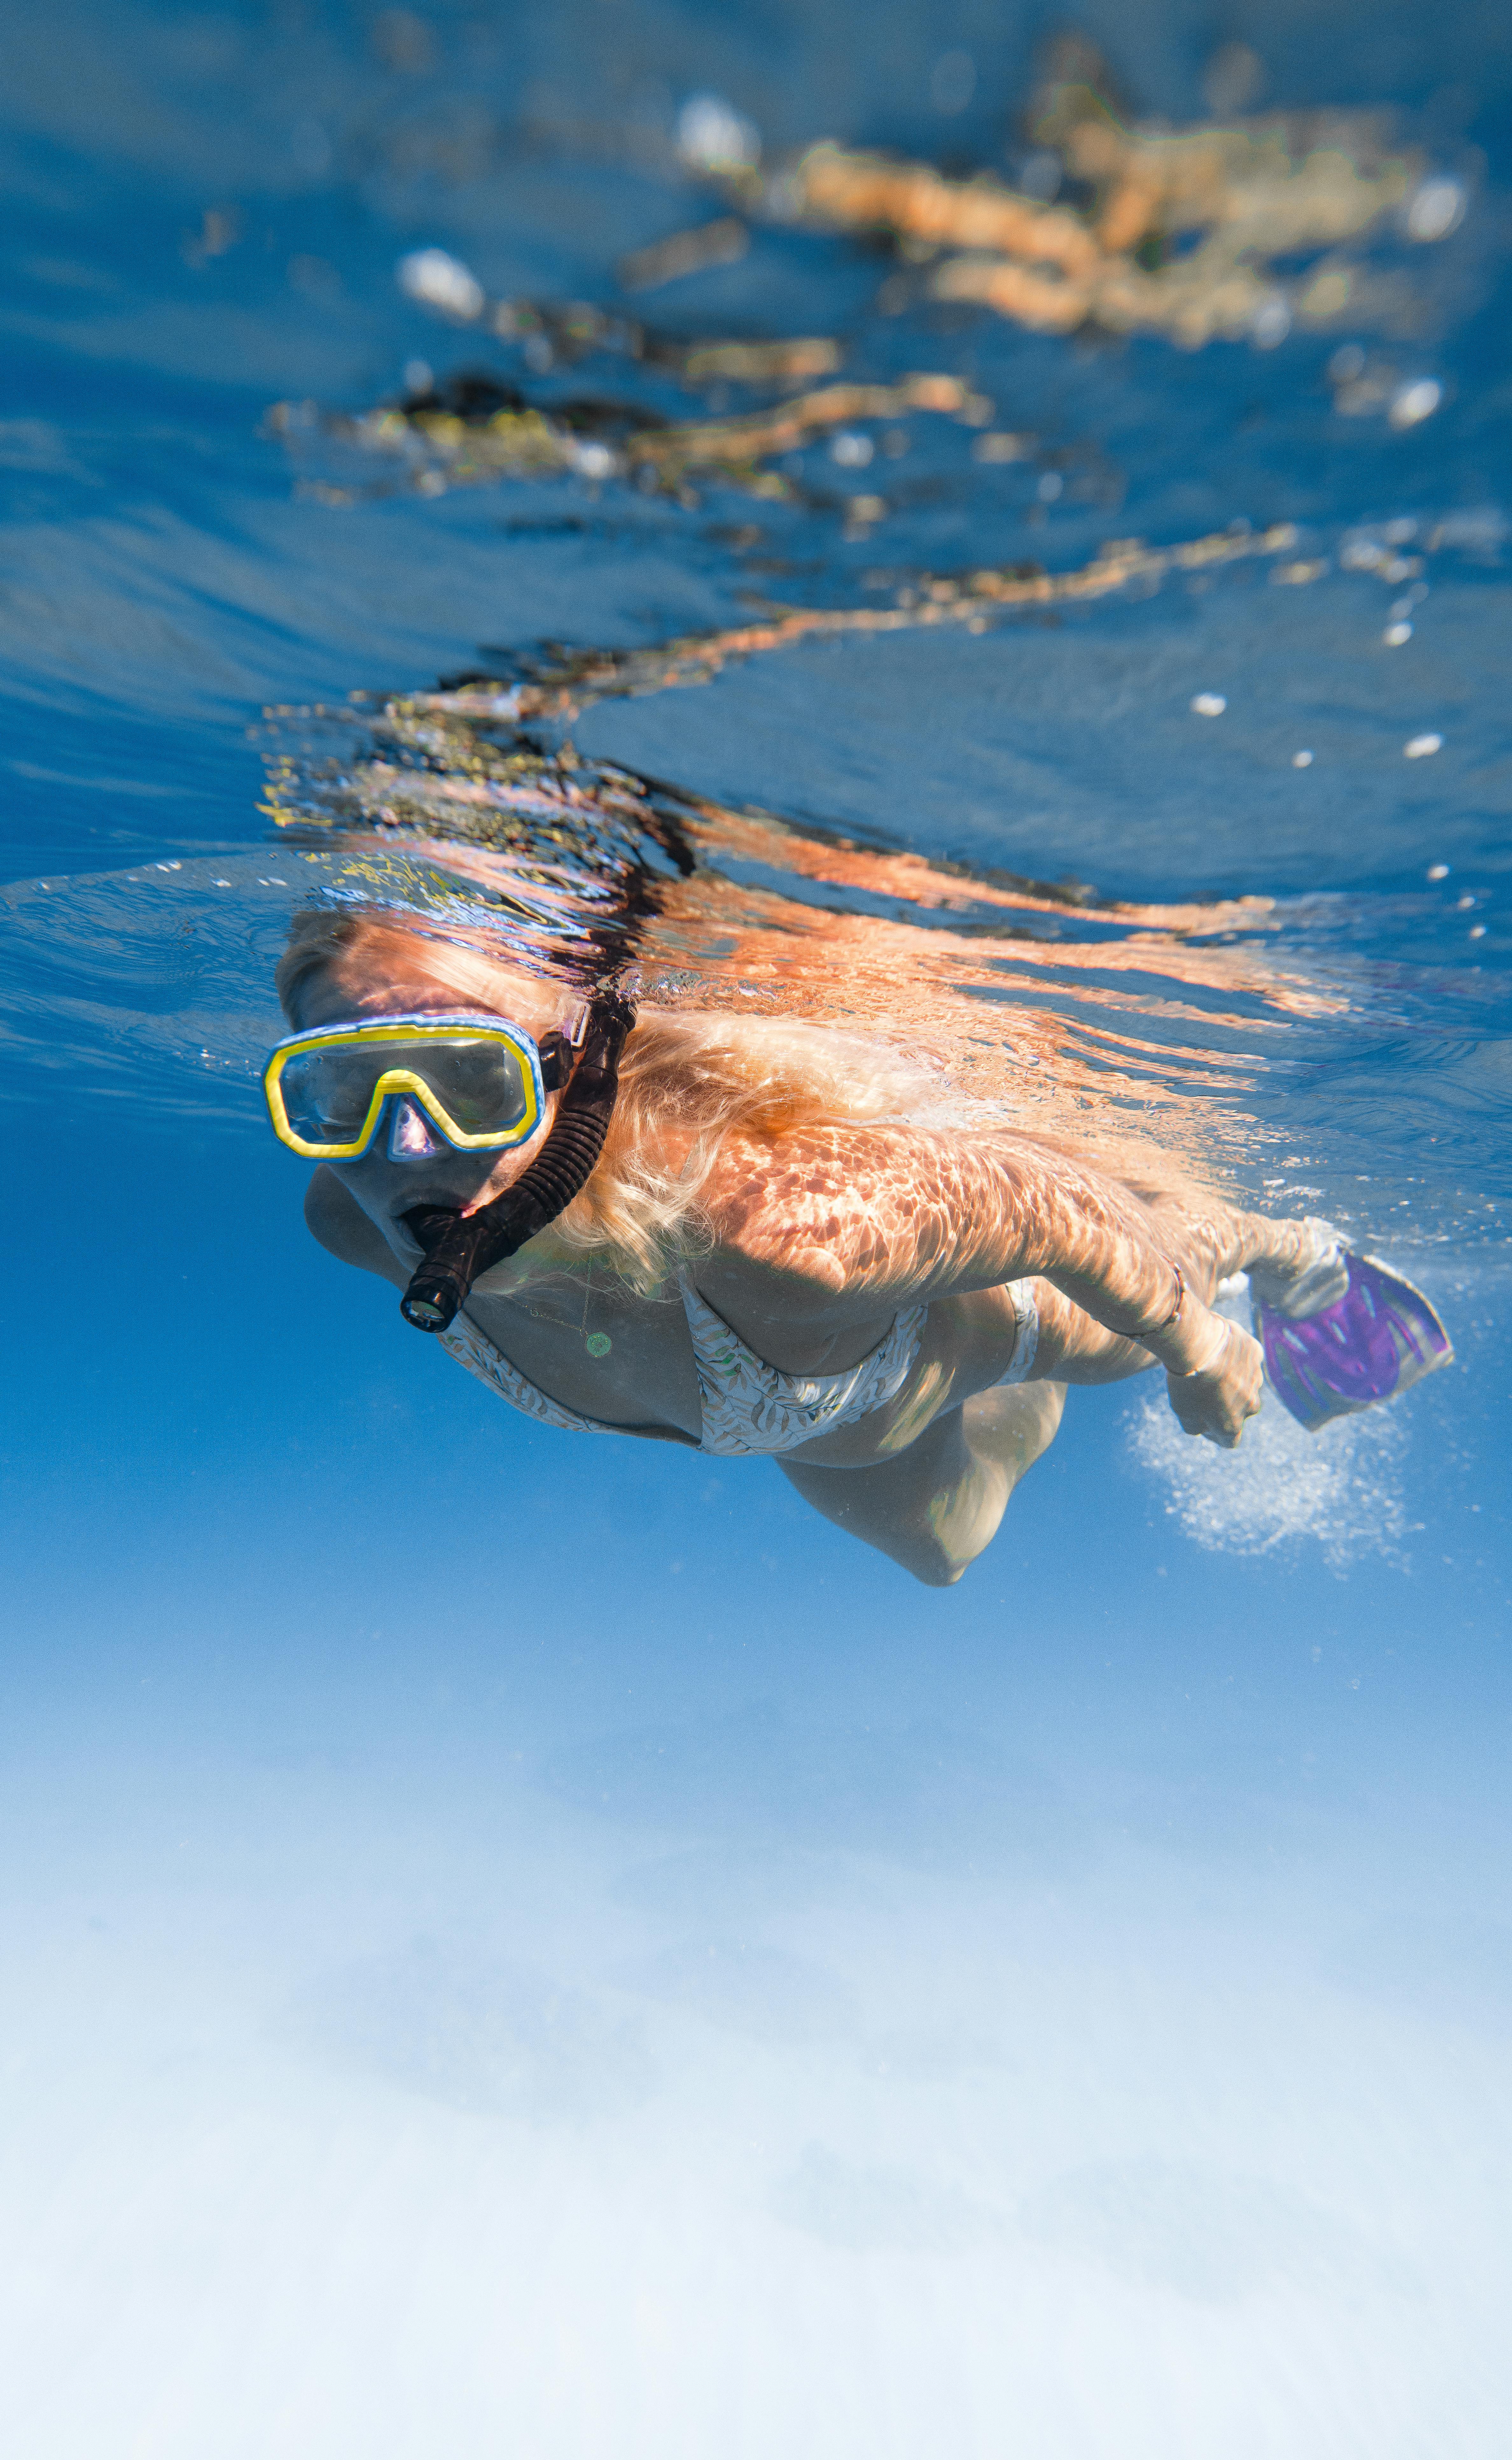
x,y
513,1941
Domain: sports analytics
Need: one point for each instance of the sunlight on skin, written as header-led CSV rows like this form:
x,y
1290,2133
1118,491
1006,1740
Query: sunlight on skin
x,y
1095,1003
820,1237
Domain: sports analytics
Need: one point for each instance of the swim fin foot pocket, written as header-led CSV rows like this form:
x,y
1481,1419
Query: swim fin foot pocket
x,y
1375,1338
457,1246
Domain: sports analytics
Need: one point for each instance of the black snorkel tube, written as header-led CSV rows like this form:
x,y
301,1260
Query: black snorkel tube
x,y
458,1247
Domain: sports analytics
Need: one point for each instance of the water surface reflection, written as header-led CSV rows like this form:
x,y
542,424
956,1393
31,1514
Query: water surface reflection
x,y
914,1151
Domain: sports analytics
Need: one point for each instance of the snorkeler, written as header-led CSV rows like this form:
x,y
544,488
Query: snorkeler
x,y
727,1232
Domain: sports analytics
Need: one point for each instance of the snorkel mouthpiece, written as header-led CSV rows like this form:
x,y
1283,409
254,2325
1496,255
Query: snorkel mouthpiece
x,y
457,1247
439,1287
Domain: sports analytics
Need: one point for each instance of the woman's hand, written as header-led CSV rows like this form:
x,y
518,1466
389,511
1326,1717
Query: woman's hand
x,y
1216,1398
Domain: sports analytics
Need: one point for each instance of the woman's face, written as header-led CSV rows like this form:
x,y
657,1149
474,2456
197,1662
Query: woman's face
x,y
435,1173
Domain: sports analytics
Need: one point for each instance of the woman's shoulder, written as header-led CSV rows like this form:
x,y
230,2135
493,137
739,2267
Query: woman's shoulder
x,y
822,1207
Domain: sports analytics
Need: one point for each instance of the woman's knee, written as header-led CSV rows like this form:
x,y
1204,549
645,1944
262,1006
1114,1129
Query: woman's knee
x,y
930,1557
935,1571
931,1510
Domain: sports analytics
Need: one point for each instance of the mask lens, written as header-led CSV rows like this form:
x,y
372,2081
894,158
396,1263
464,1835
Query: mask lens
x,y
326,1092
483,1084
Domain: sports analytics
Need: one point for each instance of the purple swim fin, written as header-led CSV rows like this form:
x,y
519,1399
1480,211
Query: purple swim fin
x,y
1381,1337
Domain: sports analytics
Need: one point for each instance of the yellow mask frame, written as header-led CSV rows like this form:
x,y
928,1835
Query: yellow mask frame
x,y
406,1081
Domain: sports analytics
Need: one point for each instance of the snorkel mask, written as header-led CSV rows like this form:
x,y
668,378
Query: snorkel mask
x,y
478,1081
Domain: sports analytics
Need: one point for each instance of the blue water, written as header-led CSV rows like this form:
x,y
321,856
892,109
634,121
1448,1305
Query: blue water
x,y
511,1941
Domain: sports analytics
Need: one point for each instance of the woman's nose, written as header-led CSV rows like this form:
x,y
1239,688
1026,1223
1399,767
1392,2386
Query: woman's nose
x,y
410,1137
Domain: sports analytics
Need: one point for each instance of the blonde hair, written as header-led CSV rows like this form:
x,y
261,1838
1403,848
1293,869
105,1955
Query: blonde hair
x,y
687,1081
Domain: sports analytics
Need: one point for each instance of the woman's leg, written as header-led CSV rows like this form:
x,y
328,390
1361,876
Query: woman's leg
x,y
935,1506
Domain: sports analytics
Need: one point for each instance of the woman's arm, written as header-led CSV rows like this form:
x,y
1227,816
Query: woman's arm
x,y
844,1222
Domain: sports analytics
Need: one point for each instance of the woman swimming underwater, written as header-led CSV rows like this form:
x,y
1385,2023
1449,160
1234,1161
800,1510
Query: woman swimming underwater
x,y
741,1232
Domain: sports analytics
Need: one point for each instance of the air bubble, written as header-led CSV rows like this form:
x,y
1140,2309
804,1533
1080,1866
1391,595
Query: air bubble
x,y
1438,208
713,137
1412,403
437,280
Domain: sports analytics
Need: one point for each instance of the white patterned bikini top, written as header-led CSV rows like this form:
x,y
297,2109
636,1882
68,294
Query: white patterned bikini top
x,y
746,1404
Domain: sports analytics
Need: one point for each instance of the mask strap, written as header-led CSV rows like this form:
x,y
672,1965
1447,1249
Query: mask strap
x,y
558,1051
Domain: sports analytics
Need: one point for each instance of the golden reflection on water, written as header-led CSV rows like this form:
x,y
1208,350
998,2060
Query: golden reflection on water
x,y
1130,1030
1240,227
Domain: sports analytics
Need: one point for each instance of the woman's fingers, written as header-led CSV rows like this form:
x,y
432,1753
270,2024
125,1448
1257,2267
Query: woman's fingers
x,y
1216,1401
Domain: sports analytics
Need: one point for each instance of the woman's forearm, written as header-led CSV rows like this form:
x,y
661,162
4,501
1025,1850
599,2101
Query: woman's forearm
x,y
878,1216
841,1224
1126,1265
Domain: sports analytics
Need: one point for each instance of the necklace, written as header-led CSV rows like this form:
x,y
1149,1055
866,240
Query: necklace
x,y
597,1345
